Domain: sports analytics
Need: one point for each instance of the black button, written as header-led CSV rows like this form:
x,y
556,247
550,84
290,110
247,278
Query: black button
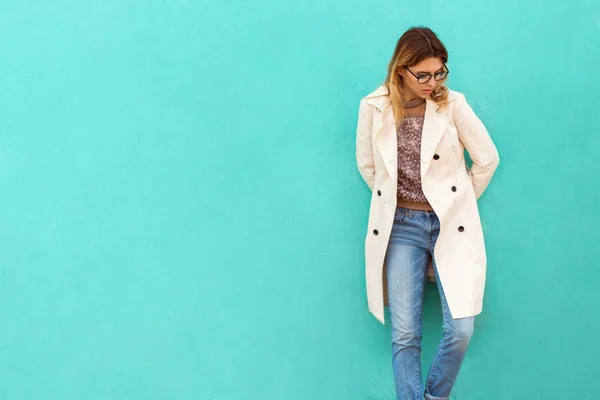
x,y
436,157
461,229
454,188
375,231
379,193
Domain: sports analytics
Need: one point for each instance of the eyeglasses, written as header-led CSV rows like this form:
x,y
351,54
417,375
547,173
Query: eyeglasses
x,y
424,78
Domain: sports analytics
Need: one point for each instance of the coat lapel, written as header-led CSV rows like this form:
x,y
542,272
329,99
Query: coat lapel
x,y
384,137
434,126
386,140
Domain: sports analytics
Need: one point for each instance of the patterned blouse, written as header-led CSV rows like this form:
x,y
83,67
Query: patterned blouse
x,y
409,160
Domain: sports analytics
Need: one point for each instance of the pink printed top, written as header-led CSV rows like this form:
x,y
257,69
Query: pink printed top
x,y
409,160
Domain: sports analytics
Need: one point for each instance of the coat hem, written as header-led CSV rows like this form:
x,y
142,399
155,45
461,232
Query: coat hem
x,y
379,316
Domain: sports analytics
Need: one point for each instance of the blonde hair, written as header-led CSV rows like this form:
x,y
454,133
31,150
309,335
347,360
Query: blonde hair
x,y
414,46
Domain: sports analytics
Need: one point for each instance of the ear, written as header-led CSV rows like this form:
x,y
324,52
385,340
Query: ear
x,y
400,71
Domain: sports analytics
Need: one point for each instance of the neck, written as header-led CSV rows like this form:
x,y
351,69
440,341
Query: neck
x,y
409,97
417,102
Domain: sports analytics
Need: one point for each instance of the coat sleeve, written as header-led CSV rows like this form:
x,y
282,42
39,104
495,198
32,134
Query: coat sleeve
x,y
364,148
476,139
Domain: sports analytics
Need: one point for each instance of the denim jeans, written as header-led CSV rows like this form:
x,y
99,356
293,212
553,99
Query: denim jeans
x,y
412,240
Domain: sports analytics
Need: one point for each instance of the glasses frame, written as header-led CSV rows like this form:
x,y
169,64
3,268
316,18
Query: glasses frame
x,y
429,76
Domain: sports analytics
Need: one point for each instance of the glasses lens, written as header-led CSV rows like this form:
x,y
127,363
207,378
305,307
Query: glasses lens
x,y
441,75
424,78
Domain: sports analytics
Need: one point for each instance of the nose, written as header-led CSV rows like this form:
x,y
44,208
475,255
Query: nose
x,y
431,82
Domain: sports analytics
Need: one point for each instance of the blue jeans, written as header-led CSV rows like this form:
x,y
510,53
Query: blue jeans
x,y
412,240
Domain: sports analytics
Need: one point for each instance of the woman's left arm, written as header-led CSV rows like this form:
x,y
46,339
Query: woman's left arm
x,y
476,139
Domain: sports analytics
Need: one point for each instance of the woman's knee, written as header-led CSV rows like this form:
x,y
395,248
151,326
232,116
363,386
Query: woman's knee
x,y
406,337
461,330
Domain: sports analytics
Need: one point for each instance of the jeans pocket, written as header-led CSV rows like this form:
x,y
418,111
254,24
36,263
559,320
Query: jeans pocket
x,y
402,215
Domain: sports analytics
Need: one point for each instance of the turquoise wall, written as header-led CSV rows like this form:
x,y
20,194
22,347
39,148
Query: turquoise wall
x,y
182,217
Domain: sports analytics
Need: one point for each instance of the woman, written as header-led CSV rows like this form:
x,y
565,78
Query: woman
x,y
411,136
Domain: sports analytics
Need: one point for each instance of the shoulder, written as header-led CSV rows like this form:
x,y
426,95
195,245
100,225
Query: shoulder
x,y
454,95
456,101
378,98
380,91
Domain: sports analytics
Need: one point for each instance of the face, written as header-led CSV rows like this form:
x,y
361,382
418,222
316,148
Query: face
x,y
431,66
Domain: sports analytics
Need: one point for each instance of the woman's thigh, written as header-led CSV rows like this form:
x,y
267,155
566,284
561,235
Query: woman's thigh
x,y
407,258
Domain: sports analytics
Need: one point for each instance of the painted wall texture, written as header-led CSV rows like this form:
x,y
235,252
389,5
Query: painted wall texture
x,y
181,216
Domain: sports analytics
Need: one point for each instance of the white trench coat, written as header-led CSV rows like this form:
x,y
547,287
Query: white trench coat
x,y
449,186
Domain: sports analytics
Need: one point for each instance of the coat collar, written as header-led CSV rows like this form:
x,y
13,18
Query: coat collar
x,y
379,99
